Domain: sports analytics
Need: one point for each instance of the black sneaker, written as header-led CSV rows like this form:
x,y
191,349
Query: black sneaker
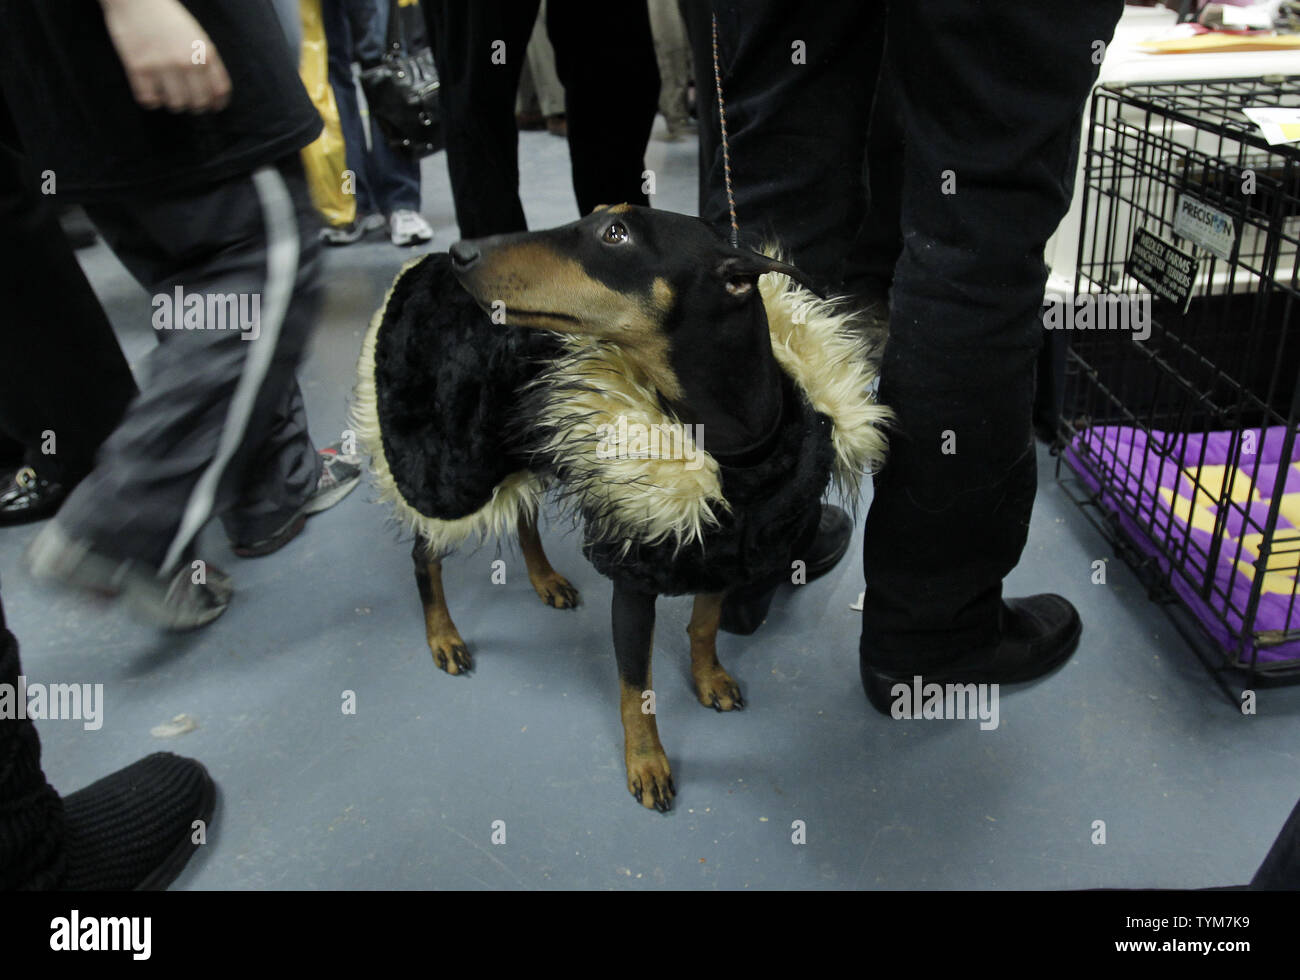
x,y
1039,633
339,475
745,610
176,602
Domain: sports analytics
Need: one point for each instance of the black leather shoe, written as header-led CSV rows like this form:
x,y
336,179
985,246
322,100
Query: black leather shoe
x,y
26,497
1038,635
745,610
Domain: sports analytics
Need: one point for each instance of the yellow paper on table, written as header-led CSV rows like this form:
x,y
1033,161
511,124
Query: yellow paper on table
x,y
1219,43
326,159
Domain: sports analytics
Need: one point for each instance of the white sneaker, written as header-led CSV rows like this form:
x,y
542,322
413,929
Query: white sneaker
x,y
408,228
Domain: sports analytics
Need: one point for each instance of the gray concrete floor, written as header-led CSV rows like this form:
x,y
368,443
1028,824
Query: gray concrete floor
x,y
405,793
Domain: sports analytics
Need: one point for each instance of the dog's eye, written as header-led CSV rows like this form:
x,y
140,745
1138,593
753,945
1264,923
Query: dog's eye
x,y
615,234
739,287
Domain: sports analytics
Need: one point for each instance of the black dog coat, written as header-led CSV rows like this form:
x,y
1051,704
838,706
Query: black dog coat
x,y
469,422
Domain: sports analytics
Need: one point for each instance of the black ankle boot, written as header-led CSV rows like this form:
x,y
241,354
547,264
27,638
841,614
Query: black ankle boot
x,y
744,610
133,829
1038,634
31,813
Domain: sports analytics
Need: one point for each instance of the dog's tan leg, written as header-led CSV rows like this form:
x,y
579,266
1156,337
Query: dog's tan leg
x,y
449,650
713,684
553,588
649,777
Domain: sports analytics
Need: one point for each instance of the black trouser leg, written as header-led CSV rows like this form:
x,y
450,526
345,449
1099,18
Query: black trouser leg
x,y
869,270
797,132
697,16
279,476
193,442
62,372
991,99
478,106
605,57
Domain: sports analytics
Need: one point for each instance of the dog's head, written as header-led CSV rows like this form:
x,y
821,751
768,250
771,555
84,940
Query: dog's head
x,y
654,282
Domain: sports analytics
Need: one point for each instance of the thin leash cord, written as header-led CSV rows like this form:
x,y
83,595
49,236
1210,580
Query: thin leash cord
x,y
726,149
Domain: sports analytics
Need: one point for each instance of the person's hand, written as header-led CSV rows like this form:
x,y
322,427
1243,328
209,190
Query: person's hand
x,y
156,40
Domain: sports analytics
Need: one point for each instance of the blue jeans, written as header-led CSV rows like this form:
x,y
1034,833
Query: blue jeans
x,y
386,179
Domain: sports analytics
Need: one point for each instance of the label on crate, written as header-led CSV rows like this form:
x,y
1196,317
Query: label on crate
x,y
1167,271
1208,227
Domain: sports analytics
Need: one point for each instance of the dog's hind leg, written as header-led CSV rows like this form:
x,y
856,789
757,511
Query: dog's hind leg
x,y
649,778
449,650
713,684
553,587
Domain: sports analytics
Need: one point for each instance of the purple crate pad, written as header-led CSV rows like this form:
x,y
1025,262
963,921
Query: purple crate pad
x,y
1121,450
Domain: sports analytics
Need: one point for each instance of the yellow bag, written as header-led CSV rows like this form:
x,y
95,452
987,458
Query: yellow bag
x,y
326,159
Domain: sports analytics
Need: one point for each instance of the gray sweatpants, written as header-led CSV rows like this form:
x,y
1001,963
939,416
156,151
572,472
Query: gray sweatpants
x,y
219,427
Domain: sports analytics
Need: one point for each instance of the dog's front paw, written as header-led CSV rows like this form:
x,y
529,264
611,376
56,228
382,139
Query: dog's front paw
x,y
650,780
717,690
450,653
555,590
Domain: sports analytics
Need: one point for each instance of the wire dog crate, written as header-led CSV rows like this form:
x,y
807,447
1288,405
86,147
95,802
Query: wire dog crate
x,y
1182,387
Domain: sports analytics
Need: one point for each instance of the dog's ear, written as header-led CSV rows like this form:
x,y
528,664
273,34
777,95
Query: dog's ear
x,y
739,270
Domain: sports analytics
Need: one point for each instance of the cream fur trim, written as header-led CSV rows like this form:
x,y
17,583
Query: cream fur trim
x,y
818,344
517,495
597,409
594,394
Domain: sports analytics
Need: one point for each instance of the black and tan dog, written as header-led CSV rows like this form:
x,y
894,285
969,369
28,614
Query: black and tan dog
x,y
689,400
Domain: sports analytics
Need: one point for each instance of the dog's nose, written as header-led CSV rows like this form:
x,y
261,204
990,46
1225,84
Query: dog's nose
x,y
464,254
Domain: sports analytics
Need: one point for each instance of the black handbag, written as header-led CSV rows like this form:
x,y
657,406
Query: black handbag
x,y
402,90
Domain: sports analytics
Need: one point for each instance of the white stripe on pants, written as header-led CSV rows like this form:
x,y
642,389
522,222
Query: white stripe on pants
x,y
281,273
